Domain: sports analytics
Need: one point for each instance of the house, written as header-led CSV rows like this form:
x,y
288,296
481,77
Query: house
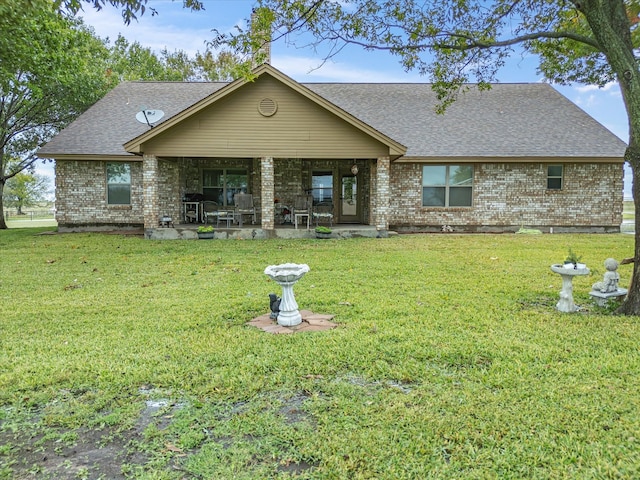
x,y
374,154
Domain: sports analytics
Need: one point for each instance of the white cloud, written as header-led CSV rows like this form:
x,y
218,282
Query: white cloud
x,y
172,28
308,69
587,101
611,87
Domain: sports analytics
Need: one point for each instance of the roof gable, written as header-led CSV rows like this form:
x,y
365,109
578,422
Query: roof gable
x,y
229,122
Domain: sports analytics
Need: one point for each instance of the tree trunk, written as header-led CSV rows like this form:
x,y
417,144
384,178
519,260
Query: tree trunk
x,y
611,28
629,80
631,306
3,224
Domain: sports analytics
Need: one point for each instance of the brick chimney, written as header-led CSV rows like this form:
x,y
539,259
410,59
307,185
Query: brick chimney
x,y
261,29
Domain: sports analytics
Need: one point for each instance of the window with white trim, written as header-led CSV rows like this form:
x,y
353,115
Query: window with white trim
x,y
118,183
447,185
554,177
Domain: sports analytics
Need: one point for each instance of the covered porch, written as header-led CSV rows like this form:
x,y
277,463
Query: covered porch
x,y
272,138
342,193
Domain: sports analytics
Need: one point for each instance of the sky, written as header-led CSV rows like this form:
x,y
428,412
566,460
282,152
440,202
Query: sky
x,y
176,28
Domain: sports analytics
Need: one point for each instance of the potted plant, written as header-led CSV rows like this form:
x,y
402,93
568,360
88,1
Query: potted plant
x,y
323,232
573,261
205,232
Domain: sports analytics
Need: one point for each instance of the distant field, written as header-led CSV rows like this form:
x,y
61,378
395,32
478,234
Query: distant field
x,y
628,211
28,223
40,216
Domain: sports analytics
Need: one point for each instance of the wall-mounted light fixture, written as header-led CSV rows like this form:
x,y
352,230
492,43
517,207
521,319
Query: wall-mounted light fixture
x,y
354,168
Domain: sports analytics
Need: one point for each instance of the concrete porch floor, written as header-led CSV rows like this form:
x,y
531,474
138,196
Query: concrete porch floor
x,y
188,231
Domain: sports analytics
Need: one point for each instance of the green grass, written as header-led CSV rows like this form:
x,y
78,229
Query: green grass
x,y
450,359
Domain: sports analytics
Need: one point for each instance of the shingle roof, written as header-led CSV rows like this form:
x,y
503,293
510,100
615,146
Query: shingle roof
x,y
106,126
510,120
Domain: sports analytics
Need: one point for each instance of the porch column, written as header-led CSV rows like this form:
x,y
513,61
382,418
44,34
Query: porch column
x,y
150,194
267,193
383,194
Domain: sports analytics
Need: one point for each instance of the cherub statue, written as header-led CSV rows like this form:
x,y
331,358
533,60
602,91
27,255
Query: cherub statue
x,y
611,278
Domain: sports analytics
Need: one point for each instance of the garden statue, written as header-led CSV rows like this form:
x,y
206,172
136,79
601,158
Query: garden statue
x,y
611,278
274,306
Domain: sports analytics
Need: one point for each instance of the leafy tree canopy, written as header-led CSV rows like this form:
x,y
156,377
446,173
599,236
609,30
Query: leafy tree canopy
x,y
455,42
54,67
48,76
130,8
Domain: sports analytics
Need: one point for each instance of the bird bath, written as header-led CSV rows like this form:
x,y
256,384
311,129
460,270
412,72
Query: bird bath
x,y
566,303
286,275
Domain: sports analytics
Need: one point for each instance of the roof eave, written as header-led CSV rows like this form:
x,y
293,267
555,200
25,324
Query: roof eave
x,y
507,159
92,157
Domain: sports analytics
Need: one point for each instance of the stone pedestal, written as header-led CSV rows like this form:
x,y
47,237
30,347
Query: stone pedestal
x,y
601,299
286,275
566,303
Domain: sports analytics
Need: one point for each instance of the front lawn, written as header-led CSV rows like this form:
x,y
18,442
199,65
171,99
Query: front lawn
x,y
449,361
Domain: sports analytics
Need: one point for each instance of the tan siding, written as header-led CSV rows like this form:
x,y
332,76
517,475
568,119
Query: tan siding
x,y
233,127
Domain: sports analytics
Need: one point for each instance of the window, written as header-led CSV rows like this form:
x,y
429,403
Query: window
x,y
554,177
118,184
447,185
322,188
221,185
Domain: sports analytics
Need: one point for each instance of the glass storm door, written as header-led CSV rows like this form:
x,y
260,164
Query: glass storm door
x,y
349,205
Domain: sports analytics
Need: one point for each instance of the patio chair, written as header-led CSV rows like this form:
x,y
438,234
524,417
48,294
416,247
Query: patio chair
x,y
209,211
244,206
302,208
323,212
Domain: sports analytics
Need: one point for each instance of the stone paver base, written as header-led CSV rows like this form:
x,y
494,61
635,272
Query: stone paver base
x,y
311,322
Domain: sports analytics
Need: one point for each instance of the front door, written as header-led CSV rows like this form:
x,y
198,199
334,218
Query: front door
x,y
349,204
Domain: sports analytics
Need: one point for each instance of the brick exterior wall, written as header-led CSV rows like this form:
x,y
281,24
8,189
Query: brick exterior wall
x,y
506,195
150,187
382,201
509,195
267,186
169,197
81,197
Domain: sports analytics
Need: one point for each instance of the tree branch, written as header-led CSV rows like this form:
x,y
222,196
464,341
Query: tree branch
x,y
472,43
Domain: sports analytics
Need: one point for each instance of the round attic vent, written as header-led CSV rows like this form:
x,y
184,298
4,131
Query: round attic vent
x,y
267,107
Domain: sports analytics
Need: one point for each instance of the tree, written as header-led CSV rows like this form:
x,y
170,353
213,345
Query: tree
x,y
221,67
131,61
455,41
50,72
25,190
53,68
